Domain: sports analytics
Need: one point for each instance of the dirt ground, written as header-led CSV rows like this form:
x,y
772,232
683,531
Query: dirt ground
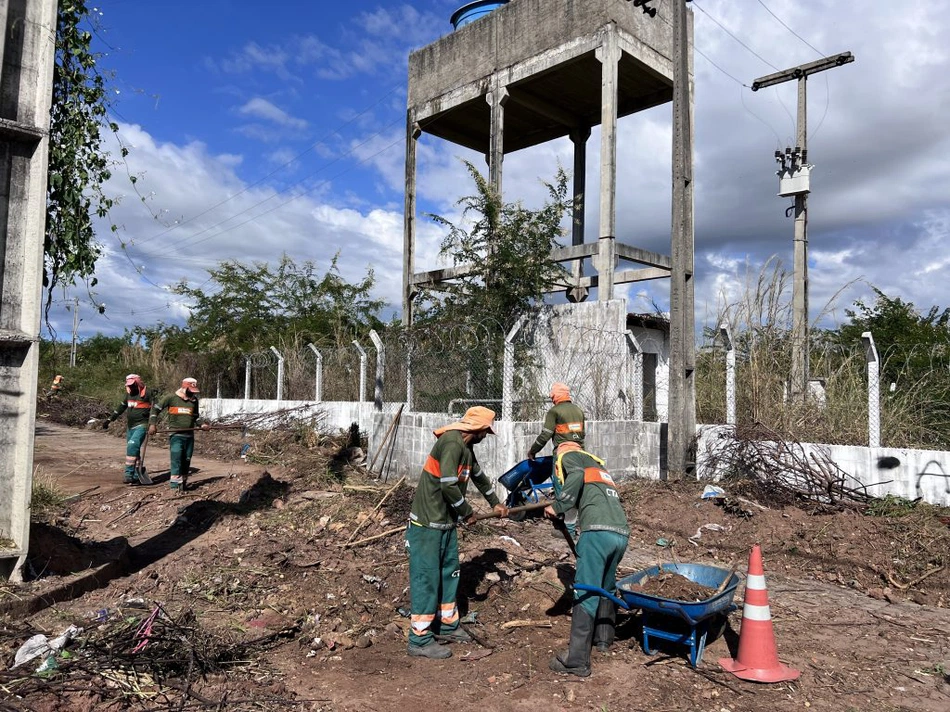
x,y
262,607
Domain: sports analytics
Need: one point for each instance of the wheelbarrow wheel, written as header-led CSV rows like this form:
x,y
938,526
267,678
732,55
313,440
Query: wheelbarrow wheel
x,y
516,499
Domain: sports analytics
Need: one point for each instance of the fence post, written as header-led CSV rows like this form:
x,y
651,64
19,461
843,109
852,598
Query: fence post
x,y
874,390
508,373
247,378
317,374
726,333
280,374
362,370
380,369
637,376
409,376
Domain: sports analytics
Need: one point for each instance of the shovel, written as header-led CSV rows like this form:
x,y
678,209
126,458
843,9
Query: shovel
x,y
140,465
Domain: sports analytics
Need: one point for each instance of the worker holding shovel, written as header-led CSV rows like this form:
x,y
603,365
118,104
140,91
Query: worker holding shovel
x,y
431,539
183,418
604,533
137,404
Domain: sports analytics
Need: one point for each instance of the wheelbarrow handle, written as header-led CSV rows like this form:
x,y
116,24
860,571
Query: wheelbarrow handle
x,y
678,609
606,594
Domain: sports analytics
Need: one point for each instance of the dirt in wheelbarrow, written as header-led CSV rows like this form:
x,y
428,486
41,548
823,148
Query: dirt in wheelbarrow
x,y
258,603
672,586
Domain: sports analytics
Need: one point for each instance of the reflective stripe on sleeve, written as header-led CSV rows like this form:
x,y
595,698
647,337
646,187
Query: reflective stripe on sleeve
x,y
458,504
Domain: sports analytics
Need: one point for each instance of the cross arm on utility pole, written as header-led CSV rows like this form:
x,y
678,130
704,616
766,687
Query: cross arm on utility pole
x,y
802,70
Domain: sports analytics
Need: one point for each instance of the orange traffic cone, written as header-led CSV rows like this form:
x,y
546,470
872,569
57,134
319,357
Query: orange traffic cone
x,y
757,659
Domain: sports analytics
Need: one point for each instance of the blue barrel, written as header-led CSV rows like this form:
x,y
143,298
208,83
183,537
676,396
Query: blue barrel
x,y
474,10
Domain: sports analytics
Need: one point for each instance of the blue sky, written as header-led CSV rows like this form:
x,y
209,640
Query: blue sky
x,y
255,129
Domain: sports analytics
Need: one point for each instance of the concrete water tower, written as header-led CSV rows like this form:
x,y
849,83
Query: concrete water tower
x,y
520,73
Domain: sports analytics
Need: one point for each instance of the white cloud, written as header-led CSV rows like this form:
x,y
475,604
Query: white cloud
x,y
261,108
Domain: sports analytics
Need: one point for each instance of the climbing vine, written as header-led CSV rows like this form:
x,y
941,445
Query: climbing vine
x,y
78,167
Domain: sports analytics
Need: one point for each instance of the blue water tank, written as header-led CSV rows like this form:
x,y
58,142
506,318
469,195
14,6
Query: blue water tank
x,y
474,10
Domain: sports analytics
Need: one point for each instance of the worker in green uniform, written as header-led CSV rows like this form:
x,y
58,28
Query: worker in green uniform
x,y
138,402
604,533
563,423
431,539
182,413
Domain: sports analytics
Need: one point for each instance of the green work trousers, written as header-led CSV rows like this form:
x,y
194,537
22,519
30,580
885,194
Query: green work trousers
x,y
181,447
133,448
433,581
598,555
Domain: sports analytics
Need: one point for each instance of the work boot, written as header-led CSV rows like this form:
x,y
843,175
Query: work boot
x,y
459,635
605,624
576,659
430,650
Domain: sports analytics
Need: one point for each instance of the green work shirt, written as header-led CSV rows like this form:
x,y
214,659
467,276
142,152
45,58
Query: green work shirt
x,y
439,501
182,412
565,423
138,408
590,488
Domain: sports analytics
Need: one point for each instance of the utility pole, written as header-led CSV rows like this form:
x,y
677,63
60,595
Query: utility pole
x,y
794,181
72,349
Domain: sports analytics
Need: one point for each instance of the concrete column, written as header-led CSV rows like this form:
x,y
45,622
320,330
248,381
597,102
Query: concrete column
x,y
27,30
579,139
409,219
637,377
317,373
874,390
726,333
508,375
496,98
605,263
247,377
682,407
380,369
280,373
362,353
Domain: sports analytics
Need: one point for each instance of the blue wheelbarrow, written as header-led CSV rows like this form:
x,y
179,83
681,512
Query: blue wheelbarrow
x,y
682,622
527,482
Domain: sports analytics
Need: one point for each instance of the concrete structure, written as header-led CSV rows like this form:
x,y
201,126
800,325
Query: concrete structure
x,y
26,45
534,71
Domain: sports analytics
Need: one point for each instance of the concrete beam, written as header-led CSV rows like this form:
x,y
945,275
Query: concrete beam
x,y
545,108
635,254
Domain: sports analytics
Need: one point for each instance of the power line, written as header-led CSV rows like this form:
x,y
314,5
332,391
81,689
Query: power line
x,y
782,23
728,32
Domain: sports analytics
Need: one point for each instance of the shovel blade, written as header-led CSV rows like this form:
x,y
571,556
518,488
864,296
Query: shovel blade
x,y
143,476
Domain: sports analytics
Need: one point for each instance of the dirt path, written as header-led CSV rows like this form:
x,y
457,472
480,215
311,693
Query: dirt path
x,y
251,554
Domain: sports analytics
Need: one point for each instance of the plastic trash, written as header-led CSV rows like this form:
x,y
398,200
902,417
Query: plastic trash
x,y
470,617
662,542
39,645
712,492
511,539
711,527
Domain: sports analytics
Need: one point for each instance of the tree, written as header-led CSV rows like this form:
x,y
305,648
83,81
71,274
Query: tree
x,y
509,248
255,306
907,339
78,167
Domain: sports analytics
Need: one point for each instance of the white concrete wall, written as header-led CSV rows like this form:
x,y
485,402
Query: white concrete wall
x,y
630,448
903,472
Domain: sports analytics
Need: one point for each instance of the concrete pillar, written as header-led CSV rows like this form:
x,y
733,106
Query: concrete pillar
x,y
362,353
380,369
247,377
413,131
579,138
637,376
682,409
605,263
27,30
317,373
508,373
496,98
726,333
874,390
280,373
